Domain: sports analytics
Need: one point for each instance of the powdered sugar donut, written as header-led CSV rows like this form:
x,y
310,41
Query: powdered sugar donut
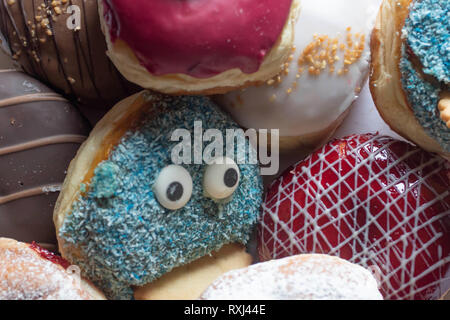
x,y
327,68
302,277
371,200
28,272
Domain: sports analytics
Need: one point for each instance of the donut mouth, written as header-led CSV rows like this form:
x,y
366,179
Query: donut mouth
x,y
443,103
189,281
419,67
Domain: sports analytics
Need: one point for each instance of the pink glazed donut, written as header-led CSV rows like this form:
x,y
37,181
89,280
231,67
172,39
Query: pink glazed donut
x,y
202,46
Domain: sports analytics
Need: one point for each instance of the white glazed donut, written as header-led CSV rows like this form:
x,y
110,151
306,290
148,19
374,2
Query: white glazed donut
x,y
301,277
307,103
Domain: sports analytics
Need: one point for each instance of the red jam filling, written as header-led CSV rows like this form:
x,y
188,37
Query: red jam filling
x,y
200,38
50,256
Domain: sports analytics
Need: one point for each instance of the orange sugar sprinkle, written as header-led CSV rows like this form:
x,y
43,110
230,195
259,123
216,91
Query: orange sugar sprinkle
x,y
321,53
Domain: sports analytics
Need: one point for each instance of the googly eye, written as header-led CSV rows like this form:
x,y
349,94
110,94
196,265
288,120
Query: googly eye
x,y
173,187
221,178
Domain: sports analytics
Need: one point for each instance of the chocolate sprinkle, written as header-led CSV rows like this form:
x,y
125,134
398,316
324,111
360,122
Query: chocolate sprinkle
x,y
73,61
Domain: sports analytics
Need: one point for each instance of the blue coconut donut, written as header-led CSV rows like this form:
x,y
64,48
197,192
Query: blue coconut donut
x,y
128,216
411,70
427,38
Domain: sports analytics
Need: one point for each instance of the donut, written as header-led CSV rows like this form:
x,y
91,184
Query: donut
x,y
137,222
40,133
325,72
378,202
29,272
410,71
39,36
198,47
301,277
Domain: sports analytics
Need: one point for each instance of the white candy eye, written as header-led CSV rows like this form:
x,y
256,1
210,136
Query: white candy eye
x,y
173,187
221,178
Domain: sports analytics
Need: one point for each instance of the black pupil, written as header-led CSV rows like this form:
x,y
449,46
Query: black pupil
x,y
230,178
175,191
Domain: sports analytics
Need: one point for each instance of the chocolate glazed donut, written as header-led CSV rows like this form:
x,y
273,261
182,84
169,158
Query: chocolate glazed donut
x,y
40,133
70,58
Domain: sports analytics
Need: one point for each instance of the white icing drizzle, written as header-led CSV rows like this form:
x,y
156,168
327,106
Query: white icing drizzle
x,y
303,103
304,277
364,248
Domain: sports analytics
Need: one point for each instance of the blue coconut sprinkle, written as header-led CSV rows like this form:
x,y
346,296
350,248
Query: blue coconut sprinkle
x,y
125,237
427,32
104,183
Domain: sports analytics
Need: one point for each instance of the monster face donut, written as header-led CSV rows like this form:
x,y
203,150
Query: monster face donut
x,y
302,277
193,47
327,67
138,224
411,71
374,201
28,272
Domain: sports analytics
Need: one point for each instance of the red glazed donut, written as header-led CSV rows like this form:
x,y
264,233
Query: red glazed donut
x,y
198,46
374,201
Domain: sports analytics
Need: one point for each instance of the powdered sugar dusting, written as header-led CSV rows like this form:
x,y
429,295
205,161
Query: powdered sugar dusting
x,y
26,276
303,277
